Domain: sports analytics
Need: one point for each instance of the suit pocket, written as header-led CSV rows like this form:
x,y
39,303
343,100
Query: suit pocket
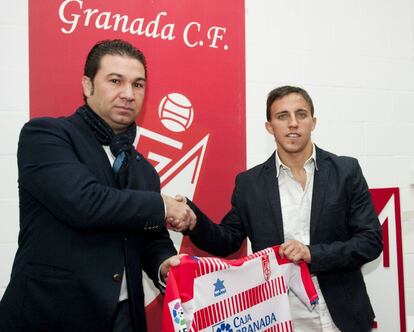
x,y
47,294
44,271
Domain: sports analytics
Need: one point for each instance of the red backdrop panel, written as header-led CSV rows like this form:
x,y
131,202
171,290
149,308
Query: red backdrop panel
x,y
192,127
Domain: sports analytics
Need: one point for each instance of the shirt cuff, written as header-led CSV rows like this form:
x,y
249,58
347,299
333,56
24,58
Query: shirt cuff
x,y
161,283
165,210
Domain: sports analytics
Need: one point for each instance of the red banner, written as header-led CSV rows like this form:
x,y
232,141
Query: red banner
x,y
192,127
384,276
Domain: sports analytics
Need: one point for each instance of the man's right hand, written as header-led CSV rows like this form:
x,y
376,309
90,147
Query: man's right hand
x,y
193,222
179,216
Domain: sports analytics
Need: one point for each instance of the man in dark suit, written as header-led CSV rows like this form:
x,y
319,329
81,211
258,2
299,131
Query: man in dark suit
x,y
312,202
91,213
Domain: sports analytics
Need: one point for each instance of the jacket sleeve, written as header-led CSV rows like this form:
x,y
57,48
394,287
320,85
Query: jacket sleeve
x,y
220,239
158,248
362,242
51,173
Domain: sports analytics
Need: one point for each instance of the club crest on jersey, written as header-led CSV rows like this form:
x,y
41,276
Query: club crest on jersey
x,y
266,267
219,288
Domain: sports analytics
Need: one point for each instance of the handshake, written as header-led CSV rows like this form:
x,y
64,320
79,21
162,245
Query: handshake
x,y
179,216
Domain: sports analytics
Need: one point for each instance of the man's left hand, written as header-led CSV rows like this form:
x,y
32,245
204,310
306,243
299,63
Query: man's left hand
x,y
166,265
295,251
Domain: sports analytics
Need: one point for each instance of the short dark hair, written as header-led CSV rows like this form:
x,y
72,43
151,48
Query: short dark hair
x,y
283,91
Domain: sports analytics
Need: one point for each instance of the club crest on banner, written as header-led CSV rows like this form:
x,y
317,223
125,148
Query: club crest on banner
x,y
176,146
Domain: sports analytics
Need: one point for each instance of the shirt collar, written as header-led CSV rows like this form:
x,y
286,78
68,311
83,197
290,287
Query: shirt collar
x,y
280,164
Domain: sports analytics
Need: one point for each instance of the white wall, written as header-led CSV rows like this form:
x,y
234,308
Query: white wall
x,y
356,59
14,112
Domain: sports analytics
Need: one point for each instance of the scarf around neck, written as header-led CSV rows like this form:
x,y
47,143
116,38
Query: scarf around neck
x,y
118,143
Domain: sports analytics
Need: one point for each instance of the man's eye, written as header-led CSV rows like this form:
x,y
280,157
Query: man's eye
x,y
115,81
139,85
282,116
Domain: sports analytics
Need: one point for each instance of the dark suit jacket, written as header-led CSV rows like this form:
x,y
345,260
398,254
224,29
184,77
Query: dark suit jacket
x,y
78,232
344,230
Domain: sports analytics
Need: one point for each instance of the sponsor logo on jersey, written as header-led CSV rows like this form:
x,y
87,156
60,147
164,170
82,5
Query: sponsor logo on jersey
x,y
246,323
219,288
222,327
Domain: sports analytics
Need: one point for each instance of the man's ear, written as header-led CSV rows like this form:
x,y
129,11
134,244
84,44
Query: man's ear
x,y
87,86
314,123
269,128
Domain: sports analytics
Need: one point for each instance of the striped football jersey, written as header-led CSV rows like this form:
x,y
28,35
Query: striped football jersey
x,y
246,295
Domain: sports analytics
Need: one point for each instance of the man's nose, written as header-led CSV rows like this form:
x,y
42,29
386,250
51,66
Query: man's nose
x,y
127,92
293,122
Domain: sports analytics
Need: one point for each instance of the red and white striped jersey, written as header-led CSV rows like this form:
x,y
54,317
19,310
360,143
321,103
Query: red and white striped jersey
x,y
247,294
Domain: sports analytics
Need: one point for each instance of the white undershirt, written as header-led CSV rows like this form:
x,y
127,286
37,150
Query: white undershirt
x,y
296,204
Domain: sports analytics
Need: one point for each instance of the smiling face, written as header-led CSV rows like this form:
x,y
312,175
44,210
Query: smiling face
x,y
291,124
117,92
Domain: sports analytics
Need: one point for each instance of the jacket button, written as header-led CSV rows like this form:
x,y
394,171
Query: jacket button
x,y
116,277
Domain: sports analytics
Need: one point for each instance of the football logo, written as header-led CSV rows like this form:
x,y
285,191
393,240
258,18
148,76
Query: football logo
x,y
176,112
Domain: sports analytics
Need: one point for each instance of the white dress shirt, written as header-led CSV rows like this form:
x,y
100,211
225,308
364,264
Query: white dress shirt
x,y
296,203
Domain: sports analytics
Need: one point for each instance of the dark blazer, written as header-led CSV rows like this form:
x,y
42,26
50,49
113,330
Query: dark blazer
x,y
344,230
78,232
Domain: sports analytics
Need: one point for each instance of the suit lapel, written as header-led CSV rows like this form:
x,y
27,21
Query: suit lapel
x,y
320,183
95,151
142,179
272,191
